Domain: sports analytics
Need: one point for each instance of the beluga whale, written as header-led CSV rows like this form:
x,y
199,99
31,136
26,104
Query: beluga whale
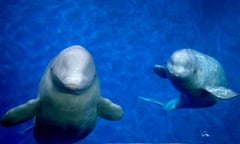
x,y
68,101
199,78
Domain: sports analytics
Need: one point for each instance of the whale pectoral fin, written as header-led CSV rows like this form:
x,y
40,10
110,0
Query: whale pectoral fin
x,y
109,110
160,70
20,113
220,92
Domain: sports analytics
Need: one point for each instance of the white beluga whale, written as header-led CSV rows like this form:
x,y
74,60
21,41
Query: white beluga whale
x,y
68,101
198,77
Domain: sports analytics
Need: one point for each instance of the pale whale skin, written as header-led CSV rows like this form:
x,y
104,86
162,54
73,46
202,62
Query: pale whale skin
x,y
68,101
198,77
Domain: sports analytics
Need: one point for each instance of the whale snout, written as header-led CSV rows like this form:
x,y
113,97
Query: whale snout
x,y
76,82
177,71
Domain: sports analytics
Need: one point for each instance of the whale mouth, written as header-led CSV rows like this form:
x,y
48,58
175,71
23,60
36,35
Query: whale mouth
x,y
180,75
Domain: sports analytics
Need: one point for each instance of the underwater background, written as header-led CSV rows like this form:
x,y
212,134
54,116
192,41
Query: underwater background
x,y
126,38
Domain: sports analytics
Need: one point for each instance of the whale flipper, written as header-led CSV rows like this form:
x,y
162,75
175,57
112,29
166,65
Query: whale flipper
x,y
220,92
108,110
160,70
20,113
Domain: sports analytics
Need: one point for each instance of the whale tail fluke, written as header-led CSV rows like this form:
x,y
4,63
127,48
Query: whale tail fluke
x,y
26,130
171,105
151,100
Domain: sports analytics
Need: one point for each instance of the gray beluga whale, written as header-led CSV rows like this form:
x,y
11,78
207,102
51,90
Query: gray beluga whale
x,y
68,101
198,77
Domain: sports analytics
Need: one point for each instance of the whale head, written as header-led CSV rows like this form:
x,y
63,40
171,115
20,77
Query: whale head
x,y
73,69
182,64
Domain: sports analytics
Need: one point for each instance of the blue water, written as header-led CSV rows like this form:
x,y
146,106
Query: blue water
x,y
126,38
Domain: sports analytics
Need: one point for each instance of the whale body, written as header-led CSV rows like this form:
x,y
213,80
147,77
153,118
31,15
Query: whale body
x,y
198,77
68,100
